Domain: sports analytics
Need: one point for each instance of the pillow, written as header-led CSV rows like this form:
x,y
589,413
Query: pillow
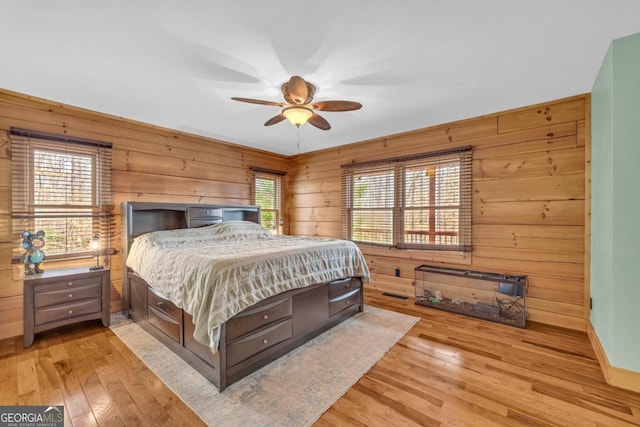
x,y
205,236
239,230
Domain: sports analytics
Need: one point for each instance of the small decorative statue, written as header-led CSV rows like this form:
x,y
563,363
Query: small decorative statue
x,y
34,255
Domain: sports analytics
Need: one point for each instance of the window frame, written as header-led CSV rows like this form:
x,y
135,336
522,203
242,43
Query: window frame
x,y
397,230
278,196
27,211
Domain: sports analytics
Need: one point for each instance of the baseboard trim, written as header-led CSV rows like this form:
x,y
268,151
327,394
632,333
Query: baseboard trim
x,y
617,377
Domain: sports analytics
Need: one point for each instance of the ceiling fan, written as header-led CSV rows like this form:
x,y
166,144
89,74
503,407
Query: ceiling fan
x,y
299,107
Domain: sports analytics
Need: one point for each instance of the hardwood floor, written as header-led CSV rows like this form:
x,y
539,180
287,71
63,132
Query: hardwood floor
x,y
449,370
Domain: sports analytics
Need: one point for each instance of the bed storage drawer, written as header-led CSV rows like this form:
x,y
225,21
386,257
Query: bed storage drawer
x,y
162,304
166,324
344,301
164,315
340,287
261,340
256,318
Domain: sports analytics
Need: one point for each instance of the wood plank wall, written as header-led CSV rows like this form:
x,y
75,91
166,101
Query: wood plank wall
x,y
149,164
528,202
529,192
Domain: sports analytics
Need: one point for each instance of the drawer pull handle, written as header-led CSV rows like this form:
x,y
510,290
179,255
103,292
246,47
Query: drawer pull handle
x,y
348,302
70,295
347,285
159,303
70,284
70,311
265,341
265,317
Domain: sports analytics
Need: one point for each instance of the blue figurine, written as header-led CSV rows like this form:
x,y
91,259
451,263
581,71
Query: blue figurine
x,y
34,255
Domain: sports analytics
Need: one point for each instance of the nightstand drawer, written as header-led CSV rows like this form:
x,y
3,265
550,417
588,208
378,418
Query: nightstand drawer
x,y
68,294
256,318
67,284
340,287
67,311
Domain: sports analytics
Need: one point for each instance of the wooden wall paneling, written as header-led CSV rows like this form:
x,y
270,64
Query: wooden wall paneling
x,y
556,269
539,163
316,229
301,186
422,140
11,316
5,224
548,133
555,212
529,200
543,237
327,199
545,187
150,163
518,153
390,284
202,168
541,115
130,182
143,137
533,146
321,213
530,255
543,290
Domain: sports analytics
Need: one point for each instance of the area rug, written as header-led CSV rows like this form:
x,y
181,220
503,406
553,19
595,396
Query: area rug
x,y
294,390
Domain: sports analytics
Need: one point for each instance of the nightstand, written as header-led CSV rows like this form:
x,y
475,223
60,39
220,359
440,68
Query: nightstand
x,y
61,297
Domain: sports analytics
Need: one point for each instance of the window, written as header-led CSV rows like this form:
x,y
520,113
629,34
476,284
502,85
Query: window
x,y
266,192
63,187
419,202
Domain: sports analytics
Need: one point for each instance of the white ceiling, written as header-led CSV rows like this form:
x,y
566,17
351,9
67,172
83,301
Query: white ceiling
x,y
411,63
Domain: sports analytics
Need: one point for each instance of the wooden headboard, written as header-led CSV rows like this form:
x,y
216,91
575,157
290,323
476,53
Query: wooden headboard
x,y
140,217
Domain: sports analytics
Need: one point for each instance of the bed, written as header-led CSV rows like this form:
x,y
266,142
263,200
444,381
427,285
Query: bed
x,y
223,293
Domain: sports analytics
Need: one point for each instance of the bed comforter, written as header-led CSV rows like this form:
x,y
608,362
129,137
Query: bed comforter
x,y
217,271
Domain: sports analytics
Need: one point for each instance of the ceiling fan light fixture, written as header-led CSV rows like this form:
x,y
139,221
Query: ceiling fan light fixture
x,y
297,115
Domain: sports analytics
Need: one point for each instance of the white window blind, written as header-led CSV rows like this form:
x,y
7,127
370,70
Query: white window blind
x,y
62,186
267,192
420,202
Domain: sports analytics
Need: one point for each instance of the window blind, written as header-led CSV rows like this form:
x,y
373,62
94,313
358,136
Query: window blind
x,y
419,202
62,186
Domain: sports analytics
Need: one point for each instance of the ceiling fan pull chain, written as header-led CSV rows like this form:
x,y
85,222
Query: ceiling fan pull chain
x,y
298,144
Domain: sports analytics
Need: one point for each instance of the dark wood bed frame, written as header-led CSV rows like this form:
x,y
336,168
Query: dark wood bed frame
x,y
250,339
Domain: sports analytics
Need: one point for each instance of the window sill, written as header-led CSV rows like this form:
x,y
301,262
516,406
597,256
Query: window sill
x,y
420,255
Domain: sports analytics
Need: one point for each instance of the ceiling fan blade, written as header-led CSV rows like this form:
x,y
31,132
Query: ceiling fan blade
x,y
336,105
258,101
275,119
319,122
298,90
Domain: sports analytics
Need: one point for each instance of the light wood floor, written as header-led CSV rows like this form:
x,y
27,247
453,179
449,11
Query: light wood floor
x,y
449,370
